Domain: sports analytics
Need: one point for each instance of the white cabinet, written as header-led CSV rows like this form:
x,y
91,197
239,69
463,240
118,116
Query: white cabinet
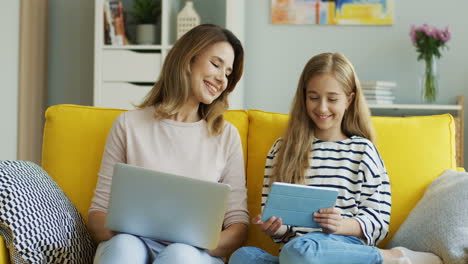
x,y
123,94
119,65
123,74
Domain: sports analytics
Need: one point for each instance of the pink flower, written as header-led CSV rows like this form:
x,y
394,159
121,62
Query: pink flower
x,y
429,40
413,34
425,28
447,34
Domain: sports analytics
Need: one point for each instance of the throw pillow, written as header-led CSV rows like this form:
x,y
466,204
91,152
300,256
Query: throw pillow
x,y
438,223
38,221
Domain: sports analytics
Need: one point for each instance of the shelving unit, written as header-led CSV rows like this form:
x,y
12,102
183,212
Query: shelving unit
x,y
417,107
124,74
457,110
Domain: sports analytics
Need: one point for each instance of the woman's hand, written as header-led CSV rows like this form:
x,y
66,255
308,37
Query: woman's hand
x,y
270,227
230,240
330,219
96,225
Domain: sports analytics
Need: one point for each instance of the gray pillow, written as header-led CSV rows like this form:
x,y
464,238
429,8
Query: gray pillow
x,y
38,221
439,222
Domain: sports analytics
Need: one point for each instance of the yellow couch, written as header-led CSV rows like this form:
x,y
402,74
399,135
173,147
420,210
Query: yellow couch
x,y
415,150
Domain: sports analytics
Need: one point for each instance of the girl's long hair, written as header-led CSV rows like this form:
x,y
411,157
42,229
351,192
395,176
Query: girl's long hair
x,y
171,91
293,157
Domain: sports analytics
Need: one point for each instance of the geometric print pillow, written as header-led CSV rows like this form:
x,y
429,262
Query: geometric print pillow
x,y
37,220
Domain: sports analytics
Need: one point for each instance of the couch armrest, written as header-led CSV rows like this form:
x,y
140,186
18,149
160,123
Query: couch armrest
x,y
4,256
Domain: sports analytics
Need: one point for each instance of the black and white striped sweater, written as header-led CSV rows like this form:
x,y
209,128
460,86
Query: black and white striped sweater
x,y
355,169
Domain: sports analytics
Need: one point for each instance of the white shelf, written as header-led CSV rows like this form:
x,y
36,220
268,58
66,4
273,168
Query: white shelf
x,y
133,47
119,66
416,107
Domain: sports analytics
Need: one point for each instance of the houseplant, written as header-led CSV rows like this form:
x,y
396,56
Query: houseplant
x,y
146,14
429,41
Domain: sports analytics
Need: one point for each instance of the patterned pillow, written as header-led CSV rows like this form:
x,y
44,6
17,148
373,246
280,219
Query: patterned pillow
x,y
38,221
438,223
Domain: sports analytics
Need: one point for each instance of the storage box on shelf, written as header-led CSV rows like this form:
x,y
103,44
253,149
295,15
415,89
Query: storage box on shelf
x,y
123,74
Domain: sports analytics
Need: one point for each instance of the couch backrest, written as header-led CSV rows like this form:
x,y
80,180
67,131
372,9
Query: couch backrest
x,y
415,150
74,139
73,143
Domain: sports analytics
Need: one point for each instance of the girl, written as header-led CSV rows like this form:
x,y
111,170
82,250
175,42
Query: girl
x,y
179,129
329,143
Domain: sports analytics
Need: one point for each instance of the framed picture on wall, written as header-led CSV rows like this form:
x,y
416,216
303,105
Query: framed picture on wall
x,y
332,12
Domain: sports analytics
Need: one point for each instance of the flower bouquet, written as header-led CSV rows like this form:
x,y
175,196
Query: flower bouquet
x,y
428,41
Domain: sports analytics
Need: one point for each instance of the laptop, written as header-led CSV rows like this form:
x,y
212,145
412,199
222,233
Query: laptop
x,y
167,207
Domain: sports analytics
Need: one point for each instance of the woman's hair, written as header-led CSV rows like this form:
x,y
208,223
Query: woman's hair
x,y
172,90
294,152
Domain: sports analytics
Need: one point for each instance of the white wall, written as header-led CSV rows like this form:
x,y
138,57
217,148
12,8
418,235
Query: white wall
x,y
9,63
276,54
70,52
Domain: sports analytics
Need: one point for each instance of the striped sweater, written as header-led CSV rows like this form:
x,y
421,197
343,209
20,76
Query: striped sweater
x,y
354,168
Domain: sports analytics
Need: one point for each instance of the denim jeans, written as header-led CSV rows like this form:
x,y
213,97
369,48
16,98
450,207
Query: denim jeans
x,y
313,248
125,248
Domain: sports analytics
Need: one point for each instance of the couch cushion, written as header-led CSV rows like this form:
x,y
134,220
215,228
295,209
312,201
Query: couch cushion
x,y
38,222
443,210
74,139
264,129
4,257
415,151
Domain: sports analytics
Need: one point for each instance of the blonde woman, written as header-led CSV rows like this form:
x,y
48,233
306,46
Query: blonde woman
x,y
179,129
329,143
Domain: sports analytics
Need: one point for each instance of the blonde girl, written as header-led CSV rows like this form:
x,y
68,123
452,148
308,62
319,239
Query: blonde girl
x,y
329,143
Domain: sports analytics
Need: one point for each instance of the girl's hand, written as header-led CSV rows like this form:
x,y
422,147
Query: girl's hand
x,y
269,227
330,219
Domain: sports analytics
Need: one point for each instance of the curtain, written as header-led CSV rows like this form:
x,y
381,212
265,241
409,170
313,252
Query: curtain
x,y
32,78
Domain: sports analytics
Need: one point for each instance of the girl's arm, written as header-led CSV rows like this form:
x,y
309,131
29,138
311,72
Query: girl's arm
x,y
371,221
333,223
273,227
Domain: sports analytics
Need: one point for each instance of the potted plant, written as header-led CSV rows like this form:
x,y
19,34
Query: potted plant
x,y
146,14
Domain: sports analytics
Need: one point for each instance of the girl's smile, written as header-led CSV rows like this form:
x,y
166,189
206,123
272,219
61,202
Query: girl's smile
x,y
326,104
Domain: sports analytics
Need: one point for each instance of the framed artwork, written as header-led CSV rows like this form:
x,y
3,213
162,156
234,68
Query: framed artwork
x,y
332,12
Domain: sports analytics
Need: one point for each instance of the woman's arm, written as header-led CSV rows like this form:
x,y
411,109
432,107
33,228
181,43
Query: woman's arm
x,y
96,221
231,239
114,152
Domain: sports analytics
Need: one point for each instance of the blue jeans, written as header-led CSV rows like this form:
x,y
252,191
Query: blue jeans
x,y
312,248
125,248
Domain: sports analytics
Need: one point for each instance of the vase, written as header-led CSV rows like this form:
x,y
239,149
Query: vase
x,y
429,79
146,34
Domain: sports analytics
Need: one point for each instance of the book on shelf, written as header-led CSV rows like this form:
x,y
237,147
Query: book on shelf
x,y
117,21
373,91
380,97
109,30
378,101
378,84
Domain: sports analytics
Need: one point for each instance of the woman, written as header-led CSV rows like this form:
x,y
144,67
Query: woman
x,y
179,129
